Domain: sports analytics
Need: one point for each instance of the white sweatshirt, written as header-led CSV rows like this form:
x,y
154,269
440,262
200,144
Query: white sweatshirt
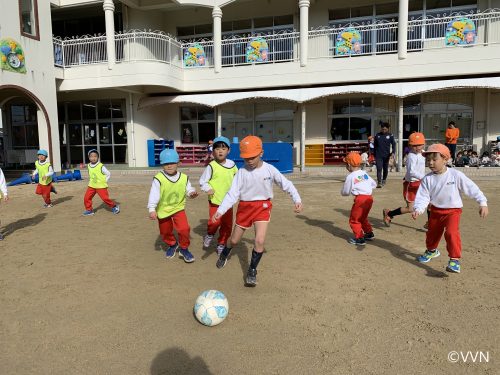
x,y
256,185
443,191
207,175
104,170
415,167
154,193
358,183
3,184
50,173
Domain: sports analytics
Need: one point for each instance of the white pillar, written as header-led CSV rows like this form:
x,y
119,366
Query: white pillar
x,y
399,156
304,30
219,121
403,29
303,138
217,16
109,9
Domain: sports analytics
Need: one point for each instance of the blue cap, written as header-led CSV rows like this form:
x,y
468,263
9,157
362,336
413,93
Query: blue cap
x,y
169,156
93,151
43,152
223,140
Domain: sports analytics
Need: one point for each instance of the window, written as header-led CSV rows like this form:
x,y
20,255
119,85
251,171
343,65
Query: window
x,y
24,126
197,124
351,119
28,13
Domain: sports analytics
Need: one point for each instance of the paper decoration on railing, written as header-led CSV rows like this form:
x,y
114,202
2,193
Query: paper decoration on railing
x,y
348,42
257,50
12,56
460,31
194,55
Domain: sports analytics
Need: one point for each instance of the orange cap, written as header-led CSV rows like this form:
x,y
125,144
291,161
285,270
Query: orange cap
x,y
353,159
250,146
416,139
440,149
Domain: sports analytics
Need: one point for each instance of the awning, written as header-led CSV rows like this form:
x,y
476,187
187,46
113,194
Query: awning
x,y
303,95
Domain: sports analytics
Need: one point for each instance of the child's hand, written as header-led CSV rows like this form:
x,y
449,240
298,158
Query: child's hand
x,y
211,192
216,217
153,216
298,207
414,215
193,195
483,211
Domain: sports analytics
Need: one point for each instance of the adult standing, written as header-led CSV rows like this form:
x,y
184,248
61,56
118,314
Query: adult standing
x,y
451,136
385,146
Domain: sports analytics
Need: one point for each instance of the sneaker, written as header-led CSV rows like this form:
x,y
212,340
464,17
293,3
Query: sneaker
x,y
207,240
251,279
428,255
171,250
116,210
1,237
383,182
386,218
88,213
357,241
48,205
379,185
453,266
221,262
220,248
370,236
186,255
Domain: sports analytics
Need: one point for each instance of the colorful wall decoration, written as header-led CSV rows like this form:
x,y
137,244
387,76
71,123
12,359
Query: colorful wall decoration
x,y
12,56
257,50
460,31
194,56
348,42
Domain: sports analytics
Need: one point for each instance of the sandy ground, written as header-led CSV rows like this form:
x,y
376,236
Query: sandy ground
x,y
95,295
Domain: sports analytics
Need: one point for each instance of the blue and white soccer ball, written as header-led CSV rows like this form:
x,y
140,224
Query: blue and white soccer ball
x,y
211,307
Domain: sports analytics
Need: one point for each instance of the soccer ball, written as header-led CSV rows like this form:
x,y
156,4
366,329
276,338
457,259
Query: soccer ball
x,y
211,307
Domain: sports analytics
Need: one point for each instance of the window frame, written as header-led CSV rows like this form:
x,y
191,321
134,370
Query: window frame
x,y
36,35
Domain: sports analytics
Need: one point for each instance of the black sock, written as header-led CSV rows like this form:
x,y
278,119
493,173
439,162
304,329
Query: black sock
x,y
226,251
255,259
395,212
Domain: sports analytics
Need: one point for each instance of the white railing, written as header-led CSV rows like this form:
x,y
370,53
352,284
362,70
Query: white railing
x,y
80,51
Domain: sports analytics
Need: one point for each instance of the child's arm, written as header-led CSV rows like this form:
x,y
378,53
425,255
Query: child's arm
x,y
3,186
154,198
106,172
347,188
285,184
190,191
205,177
232,196
422,199
469,188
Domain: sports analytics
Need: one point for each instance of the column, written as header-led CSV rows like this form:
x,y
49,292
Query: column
x,y
219,121
217,16
403,29
109,9
304,30
303,138
399,155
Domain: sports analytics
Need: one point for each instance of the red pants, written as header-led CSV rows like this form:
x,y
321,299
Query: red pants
x,y
224,224
359,215
44,191
103,193
179,222
445,220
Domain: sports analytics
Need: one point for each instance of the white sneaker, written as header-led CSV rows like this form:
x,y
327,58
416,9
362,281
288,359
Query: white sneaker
x,y
48,205
207,240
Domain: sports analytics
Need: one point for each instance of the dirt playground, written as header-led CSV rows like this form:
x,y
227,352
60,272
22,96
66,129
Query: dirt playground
x,y
96,295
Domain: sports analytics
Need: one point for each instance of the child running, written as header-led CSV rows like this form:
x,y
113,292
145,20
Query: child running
x,y
3,189
359,184
167,201
216,181
45,172
253,187
441,188
415,171
98,183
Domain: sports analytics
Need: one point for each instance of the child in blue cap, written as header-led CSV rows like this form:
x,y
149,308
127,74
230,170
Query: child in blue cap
x,y
216,181
45,172
167,202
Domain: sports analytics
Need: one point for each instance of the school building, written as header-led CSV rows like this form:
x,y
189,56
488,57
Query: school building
x,y
318,74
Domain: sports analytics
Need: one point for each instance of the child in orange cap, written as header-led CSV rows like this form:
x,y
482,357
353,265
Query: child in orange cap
x,y
415,171
359,184
441,189
253,187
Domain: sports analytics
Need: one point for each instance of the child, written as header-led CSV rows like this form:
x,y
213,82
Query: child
x,y
392,163
459,159
415,171
167,201
364,160
216,181
473,159
359,184
252,186
442,188
485,159
98,183
45,172
3,189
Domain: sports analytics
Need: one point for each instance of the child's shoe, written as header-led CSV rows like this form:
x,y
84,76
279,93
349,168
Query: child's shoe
x,y
171,250
50,205
387,219
116,210
1,237
207,240
88,213
357,241
186,255
453,266
220,248
221,262
251,279
370,236
428,255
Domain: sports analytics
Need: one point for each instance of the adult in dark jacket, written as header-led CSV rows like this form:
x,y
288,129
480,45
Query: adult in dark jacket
x,y
383,151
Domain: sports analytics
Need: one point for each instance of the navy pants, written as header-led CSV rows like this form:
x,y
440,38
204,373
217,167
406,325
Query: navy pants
x,y
382,166
453,148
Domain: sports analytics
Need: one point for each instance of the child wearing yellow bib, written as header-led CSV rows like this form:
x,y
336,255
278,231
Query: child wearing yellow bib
x,y
98,184
216,181
167,202
45,172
